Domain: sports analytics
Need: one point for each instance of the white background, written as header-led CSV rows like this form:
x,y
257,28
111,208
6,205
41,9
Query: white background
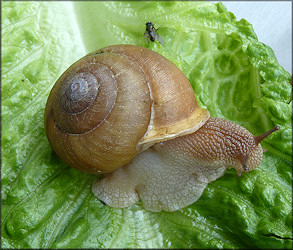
x,y
272,23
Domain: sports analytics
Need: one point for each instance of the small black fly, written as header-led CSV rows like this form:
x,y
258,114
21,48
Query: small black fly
x,y
152,33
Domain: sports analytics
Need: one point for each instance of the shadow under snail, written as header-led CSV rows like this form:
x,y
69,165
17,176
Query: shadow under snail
x,y
130,114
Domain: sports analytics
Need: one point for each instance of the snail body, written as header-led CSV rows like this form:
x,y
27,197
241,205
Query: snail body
x,y
129,113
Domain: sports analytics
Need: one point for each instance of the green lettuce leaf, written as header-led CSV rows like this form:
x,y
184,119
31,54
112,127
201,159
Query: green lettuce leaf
x,y
47,204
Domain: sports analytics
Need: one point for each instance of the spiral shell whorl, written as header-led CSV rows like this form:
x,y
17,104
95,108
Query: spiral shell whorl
x,y
84,96
102,136
78,93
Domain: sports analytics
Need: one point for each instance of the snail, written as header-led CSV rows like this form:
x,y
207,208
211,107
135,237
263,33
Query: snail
x,y
130,114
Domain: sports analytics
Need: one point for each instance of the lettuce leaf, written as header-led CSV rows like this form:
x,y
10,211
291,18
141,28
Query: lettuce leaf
x,y
47,204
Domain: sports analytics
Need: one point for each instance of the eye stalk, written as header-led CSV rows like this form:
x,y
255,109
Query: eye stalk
x,y
259,138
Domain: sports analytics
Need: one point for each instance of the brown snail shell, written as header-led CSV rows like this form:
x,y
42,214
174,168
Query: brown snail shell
x,y
114,103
